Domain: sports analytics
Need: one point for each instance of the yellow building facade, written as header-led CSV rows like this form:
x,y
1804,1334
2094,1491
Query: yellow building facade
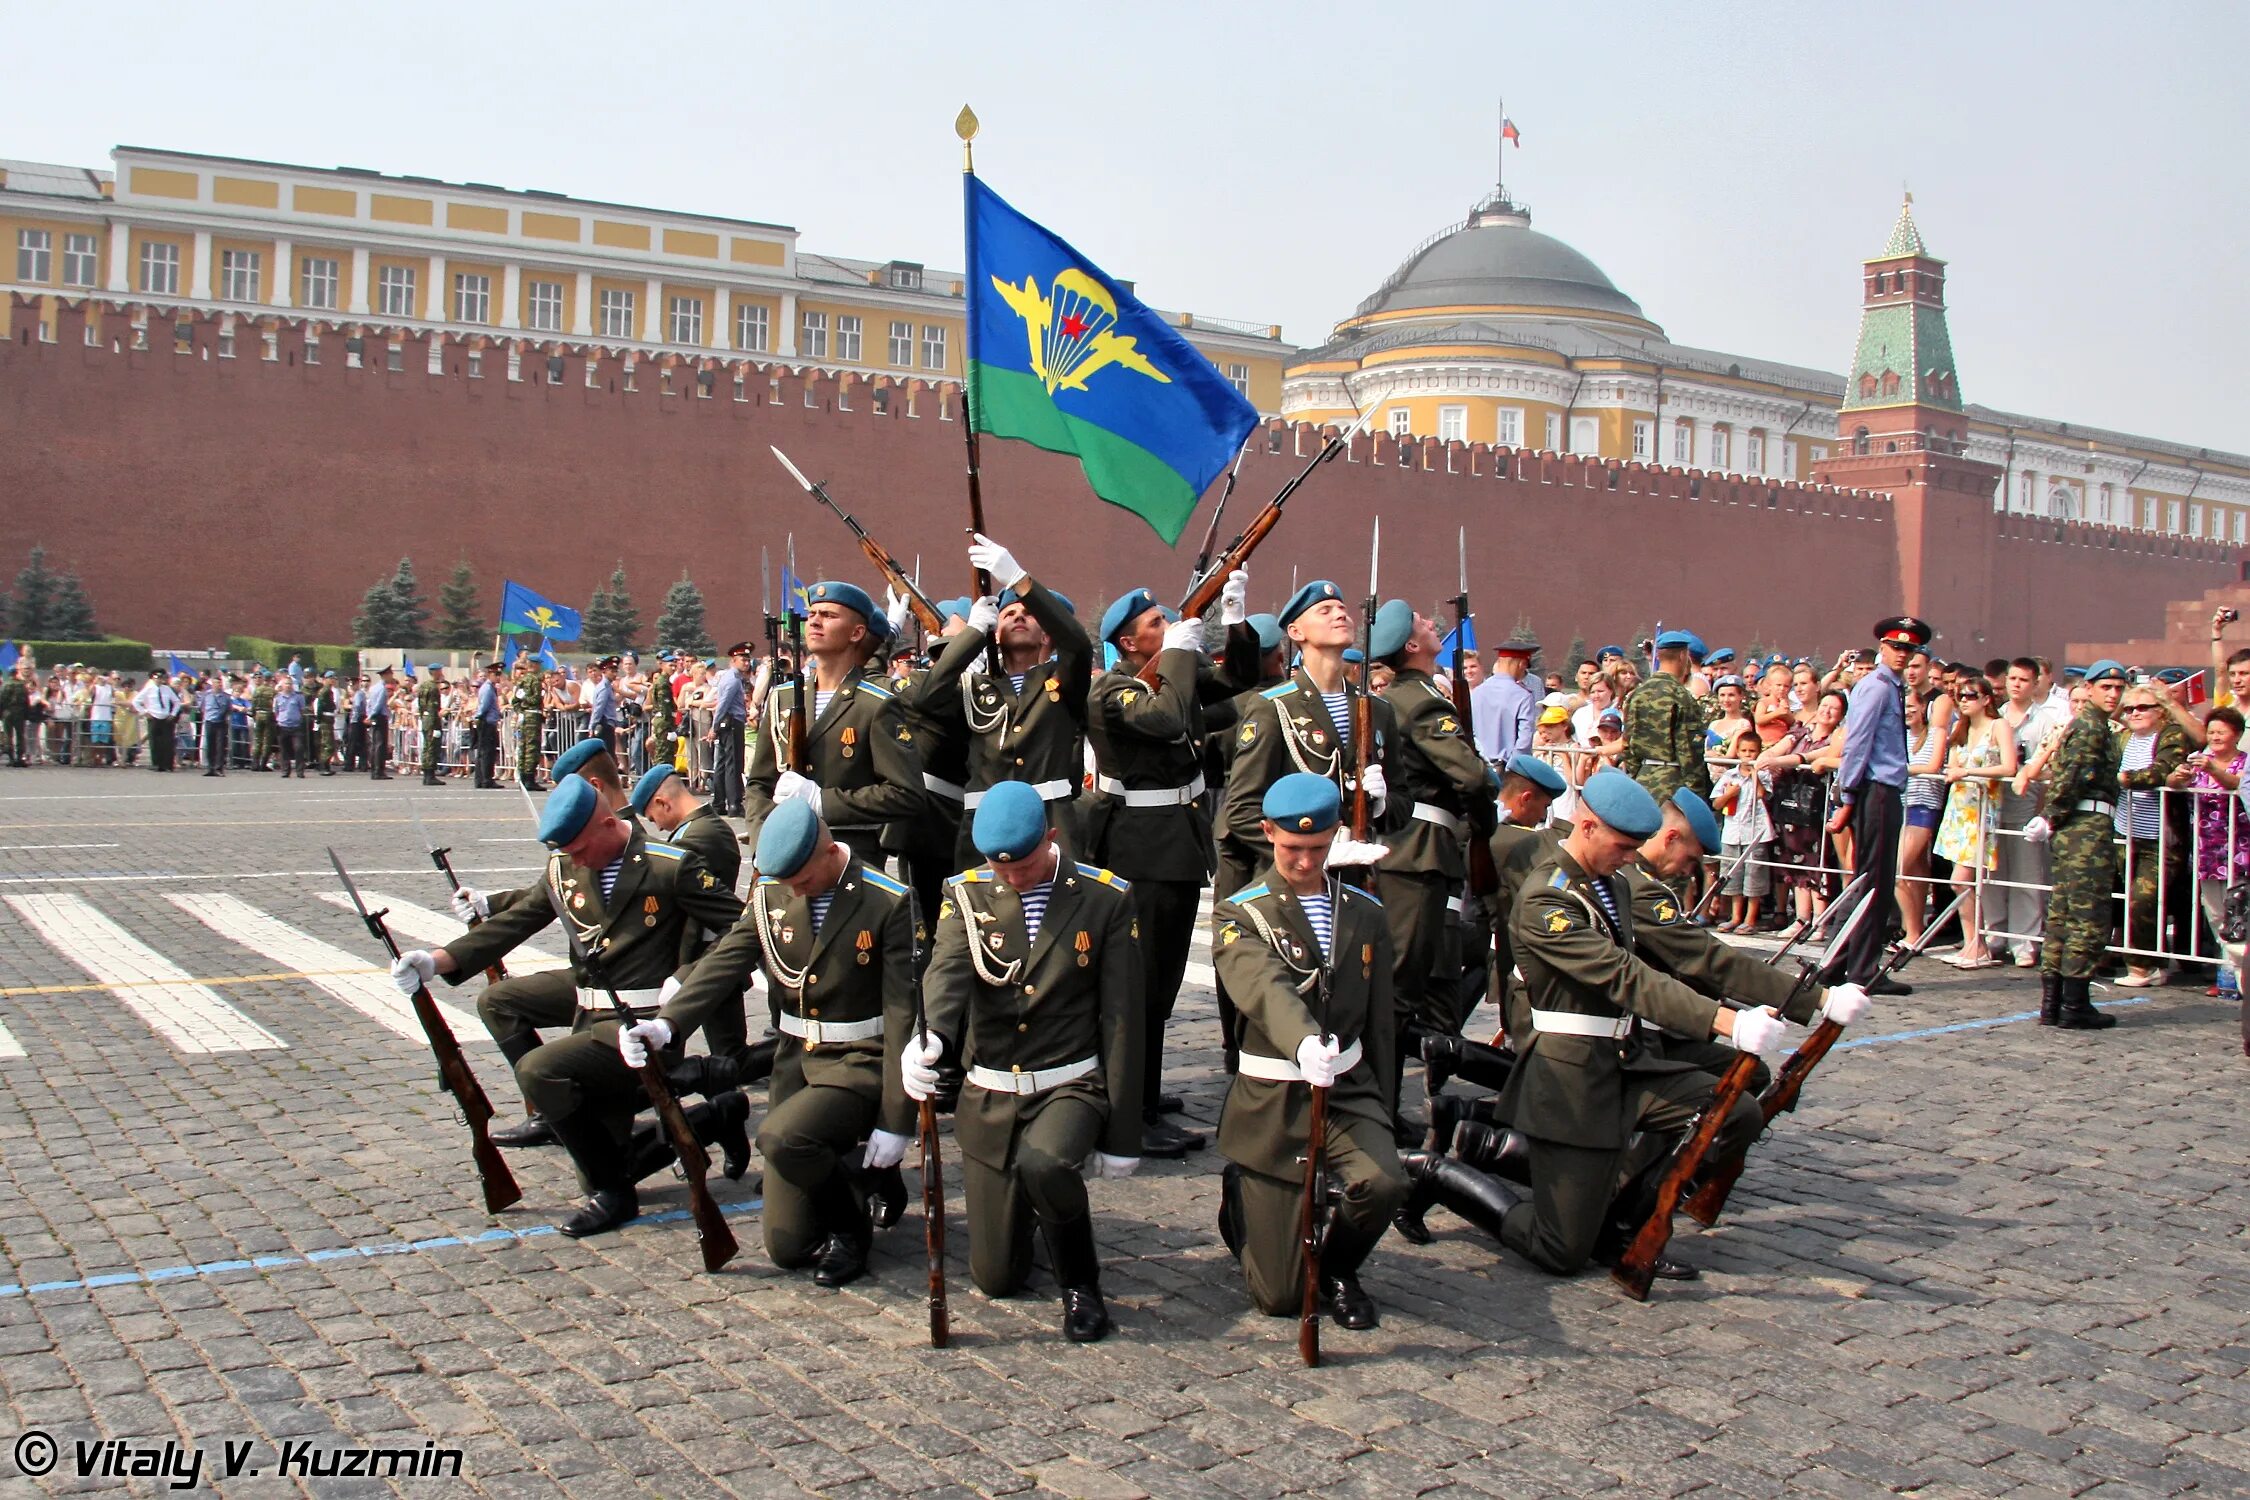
x,y
352,246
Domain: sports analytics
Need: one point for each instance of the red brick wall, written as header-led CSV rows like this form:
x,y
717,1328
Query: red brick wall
x,y
198,495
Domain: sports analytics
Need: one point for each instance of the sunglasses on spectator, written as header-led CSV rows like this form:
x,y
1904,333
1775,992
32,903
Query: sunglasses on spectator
x,y
2141,708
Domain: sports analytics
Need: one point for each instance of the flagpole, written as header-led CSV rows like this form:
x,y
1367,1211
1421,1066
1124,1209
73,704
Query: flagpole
x,y
965,126
1500,175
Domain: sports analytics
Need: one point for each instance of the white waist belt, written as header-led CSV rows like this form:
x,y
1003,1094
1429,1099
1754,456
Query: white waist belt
x,y
1170,796
1038,1081
637,1000
1278,1070
815,1033
1430,812
2094,805
1049,791
1571,1023
1456,905
952,791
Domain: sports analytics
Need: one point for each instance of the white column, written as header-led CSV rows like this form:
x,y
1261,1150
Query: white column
x,y
440,305
785,337
582,307
722,318
120,252
284,273
357,304
511,295
653,326
199,274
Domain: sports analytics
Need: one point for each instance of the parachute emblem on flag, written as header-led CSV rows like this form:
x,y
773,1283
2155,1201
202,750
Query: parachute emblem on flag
x,y
1069,330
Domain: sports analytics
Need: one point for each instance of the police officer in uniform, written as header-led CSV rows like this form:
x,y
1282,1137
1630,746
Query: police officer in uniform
x,y
1035,984
2082,794
837,942
1274,939
861,774
375,714
429,703
487,727
640,906
1664,724
528,699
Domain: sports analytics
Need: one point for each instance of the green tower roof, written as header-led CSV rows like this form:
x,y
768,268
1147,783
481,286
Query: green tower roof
x,y
1905,353
1905,238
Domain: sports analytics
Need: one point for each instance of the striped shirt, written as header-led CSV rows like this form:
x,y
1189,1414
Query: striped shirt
x,y
1016,680
2140,814
1340,715
820,905
1035,910
1320,915
609,876
1603,894
820,701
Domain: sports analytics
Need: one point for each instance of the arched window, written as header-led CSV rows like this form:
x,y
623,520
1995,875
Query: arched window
x,y
2062,503
1859,440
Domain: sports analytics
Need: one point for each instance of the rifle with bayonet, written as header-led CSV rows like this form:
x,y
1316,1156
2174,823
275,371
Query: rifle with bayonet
x,y
1211,532
924,609
454,1074
1484,875
793,758
441,855
933,1194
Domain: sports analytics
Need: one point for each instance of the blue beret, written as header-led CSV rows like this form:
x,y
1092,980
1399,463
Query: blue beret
x,y
2104,669
1319,591
1731,679
1538,772
1063,599
1394,622
850,595
1695,646
786,840
646,787
1722,655
1671,638
1623,803
948,608
1303,803
1267,628
570,807
1010,822
1354,654
1609,651
1124,610
1701,821
573,760
879,627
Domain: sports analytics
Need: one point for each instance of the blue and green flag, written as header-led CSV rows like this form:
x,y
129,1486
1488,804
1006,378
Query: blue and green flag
x,y
1064,358
523,612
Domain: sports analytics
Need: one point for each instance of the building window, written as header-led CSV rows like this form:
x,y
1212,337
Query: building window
x,y
316,281
933,346
2107,512
1641,437
686,317
394,291
1754,453
546,306
1551,439
904,276
847,337
34,254
1402,422
2062,504
1238,376
2195,518
1683,441
1509,431
812,337
2172,517
617,314
472,298
1586,436
1453,424
160,269
2027,485
79,260
902,345
2239,524
1718,447
240,271
1788,459
752,328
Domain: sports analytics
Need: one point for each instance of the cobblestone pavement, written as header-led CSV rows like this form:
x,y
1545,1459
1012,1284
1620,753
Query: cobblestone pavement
x,y
237,1208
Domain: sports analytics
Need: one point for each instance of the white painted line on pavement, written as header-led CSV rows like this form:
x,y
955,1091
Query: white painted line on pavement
x,y
192,1017
370,992
186,797
27,848
431,928
58,878
9,1046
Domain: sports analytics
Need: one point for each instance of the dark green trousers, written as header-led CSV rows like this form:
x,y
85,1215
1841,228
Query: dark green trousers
x,y
1365,1159
1040,1185
807,1132
527,1002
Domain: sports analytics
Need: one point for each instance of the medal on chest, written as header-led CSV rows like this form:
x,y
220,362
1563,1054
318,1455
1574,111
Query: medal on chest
x,y
865,943
650,906
1367,961
1054,690
1084,943
849,741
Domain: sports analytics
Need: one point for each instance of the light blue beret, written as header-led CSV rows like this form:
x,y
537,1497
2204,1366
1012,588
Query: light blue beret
x,y
1303,803
1354,654
850,595
1267,628
1394,622
1672,638
787,840
1124,610
1010,822
1319,591
1623,803
646,788
1610,651
1703,822
574,760
570,807
2105,669
1538,772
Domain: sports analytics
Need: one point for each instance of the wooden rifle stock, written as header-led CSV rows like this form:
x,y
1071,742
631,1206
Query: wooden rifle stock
x,y
1316,1203
1636,1268
933,1222
711,1230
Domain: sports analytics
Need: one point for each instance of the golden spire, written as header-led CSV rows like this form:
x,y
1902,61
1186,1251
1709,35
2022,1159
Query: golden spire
x,y
965,126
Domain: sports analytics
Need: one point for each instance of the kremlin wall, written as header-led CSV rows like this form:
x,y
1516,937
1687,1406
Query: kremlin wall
x,y
207,473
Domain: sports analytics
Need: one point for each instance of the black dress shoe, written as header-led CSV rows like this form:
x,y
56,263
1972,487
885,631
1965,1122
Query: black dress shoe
x,y
886,1195
730,1131
1668,1269
1169,1104
1161,1138
533,1131
842,1262
1421,1197
1347,1301
607,1209
1883,984
1085,1317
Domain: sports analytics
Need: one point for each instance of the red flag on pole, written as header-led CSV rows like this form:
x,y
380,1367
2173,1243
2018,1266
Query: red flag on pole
x,y
1508,132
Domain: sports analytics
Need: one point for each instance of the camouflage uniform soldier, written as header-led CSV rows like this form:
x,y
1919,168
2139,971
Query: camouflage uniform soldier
x,y
2082,798
527,700
429,703
1664,725
663,713
261,716
324,707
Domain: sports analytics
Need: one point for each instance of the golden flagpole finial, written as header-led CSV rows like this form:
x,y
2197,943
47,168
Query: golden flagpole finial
x,y
965,126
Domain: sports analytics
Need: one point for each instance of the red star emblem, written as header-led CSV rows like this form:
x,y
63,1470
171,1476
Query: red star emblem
x,y
1073,325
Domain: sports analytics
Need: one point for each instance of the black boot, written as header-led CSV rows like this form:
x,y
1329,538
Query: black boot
x,y
2078,1013
2050,999
1495,1149
717,1121
885,1189
843,1260
1346,1300
1079,1269
702,1074
756,1061
532,1131
1481,1199
1446,1057
607,1171
1230,1209
1161,1138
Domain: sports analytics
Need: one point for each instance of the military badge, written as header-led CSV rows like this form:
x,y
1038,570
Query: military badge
x,y
1127,697
905,735
1558,921
1249,735
786,933
996,940
1367,961
1228,934
710,881
944,910
1666,911
848,739
1448,725
1054,690
865,943
1084,943
578,901
651,904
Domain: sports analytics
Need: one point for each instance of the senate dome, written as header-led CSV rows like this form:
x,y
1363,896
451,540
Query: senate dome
x,y
1491,261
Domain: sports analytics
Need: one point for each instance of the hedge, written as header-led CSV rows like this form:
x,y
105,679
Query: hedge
x,y
111,653
342,660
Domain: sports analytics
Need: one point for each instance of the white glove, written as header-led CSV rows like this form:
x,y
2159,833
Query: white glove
x,y
471,905
1114,1167
1316,1059
1347,851
894,609
668,989
1846,1003
989,555
917,1066
634,1041
984,615
1759,1031
2038,831
1234,598
1184,635
804,788
1378,790
885,1150
411,971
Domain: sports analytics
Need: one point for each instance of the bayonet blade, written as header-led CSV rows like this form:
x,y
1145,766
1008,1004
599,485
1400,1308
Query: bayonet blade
x,y
765,584
795,472
1374,556
1464,562
349,889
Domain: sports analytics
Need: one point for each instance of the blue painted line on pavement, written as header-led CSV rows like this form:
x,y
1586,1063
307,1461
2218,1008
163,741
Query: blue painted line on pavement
x,y
1978,1025
339,1252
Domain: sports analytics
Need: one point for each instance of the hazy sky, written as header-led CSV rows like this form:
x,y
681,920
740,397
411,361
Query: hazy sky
x,y
2079,166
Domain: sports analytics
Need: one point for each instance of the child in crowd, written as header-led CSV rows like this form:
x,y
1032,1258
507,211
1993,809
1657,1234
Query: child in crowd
x,y
1746,839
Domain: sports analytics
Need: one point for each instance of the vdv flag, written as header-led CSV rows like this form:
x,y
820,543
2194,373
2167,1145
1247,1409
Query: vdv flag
x,y
1466,629
547,657
526,613
793,600
508,656
1065,359
9,656
173,664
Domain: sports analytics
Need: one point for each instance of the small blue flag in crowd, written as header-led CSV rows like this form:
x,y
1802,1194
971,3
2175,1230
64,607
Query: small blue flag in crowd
x,y
547,657
793,598
406,664
1467,630
508,657
173,664
9,656
526,613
